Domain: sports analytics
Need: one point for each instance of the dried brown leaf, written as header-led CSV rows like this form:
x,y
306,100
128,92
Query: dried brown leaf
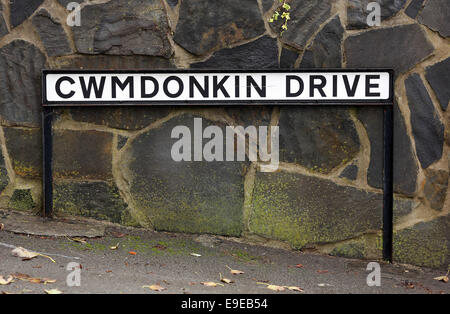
x,y
24,253
25,277
6,281
53,291
442,278
155,287
210,284
275,288
235,271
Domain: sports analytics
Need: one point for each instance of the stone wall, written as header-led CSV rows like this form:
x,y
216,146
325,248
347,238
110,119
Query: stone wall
x,y
114,164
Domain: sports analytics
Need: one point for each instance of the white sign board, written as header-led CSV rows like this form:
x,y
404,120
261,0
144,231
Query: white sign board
x,y
109,87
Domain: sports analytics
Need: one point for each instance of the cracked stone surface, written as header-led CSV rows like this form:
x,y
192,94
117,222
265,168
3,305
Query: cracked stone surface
x,y
20,10
438,75
325,51
435,15
21,65
427,128
331,139
259,54
403,47
52,34
306,17
210,25
118,28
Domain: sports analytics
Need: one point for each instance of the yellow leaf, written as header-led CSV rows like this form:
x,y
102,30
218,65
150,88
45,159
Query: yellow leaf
x,y
234,271
53,291
2,226
275,288
211,284
225,280
442,278
24,253
6,281
27,255
114,247
155,287
79,240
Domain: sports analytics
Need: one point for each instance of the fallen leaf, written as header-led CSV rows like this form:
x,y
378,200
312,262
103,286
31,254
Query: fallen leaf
x,y
293,288
322,271
195,254
53,291
2,226
114,247
442,278
275,288
210,284
6,292
155,287
225,280
6,281
25,277
27,255
234,271
23,253
299,266
132,253
79,240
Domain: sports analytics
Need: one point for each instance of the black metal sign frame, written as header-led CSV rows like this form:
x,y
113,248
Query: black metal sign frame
x,y
385,104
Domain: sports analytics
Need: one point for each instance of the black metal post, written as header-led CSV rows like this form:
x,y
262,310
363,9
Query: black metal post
x,y
388,182
47,145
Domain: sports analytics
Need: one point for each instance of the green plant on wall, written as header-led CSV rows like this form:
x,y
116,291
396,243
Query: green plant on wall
x,y
283,13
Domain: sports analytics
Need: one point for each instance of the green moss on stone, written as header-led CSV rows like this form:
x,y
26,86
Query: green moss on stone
x,y
22,200
424,244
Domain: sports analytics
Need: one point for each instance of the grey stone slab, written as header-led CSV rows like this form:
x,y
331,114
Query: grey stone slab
x,y
428,130
438,75
435,15
205,26
403,47
118,28
259,54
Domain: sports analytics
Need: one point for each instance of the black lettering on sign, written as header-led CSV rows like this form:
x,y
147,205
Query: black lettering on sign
x,y
115,81
369,85
180,86
261,90
98,90
203,90
144,79
289,92
219,86
319,86
58,87
351,91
